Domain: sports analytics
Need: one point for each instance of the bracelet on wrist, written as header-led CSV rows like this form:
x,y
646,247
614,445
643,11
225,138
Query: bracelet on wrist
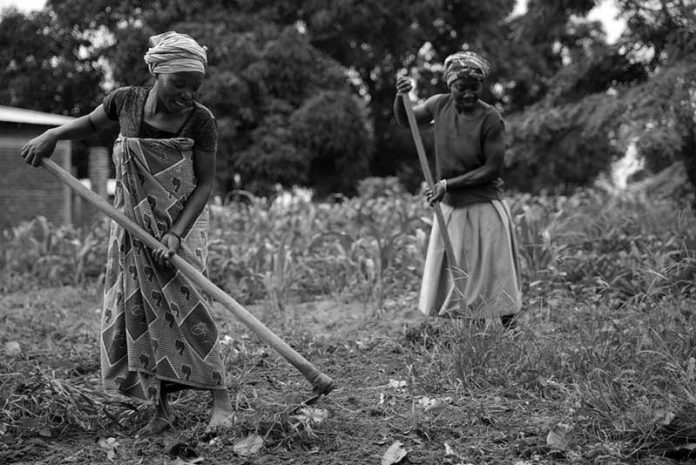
x,y
175,235
443,183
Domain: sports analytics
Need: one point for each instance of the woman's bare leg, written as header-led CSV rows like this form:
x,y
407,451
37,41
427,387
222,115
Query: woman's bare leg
x,y
223,413
162,417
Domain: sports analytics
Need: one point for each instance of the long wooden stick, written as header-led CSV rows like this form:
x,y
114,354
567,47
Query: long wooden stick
x,y
449,251
322,383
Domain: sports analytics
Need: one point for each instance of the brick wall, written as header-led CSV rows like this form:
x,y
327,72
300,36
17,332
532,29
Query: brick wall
x,y
27,192
99,164
98,170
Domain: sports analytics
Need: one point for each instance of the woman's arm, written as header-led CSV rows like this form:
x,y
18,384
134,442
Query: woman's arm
x,y
494,153
44,144
204,169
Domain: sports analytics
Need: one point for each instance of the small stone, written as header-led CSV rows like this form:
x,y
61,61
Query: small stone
x,y
13,348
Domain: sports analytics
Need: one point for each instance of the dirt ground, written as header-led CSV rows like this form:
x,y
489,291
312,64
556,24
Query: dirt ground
x,y
393,400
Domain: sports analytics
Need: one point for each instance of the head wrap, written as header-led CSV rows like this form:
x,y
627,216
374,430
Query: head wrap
x,y
468,65
171,52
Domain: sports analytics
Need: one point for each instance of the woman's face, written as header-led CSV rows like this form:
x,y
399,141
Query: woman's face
x,y
466,93
178,90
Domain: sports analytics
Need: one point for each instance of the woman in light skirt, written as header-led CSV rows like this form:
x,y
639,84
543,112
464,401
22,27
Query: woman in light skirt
x,y
469,155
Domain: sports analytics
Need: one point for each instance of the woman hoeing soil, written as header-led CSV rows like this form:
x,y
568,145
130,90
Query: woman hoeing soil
x,y
157,335
469,155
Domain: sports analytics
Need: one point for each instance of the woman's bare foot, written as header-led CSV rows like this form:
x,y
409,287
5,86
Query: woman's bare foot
x,y
221,420
156,425
161,419
222,417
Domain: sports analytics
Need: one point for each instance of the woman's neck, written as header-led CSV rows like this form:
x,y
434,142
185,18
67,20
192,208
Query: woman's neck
x,y
153,104
468,110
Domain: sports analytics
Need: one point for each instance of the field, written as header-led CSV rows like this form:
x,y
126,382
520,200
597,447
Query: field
x,y
603,370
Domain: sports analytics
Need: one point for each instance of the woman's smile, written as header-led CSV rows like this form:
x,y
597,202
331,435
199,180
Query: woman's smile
x,y
181,103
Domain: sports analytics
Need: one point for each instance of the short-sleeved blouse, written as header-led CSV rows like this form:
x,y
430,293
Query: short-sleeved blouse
x,y
459,142
126,105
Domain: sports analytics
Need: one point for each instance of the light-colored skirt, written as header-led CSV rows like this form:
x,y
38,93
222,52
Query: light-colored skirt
x,y
487,279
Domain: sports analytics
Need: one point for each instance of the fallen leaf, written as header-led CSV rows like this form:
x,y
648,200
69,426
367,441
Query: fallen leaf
x,y
396,384
557,438
248,446
311,415
83,424
3,428
428,403
394,454
109,445
12,348
450,451
664,417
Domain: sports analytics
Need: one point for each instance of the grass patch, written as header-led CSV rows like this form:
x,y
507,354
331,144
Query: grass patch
x,y
614,386
602,369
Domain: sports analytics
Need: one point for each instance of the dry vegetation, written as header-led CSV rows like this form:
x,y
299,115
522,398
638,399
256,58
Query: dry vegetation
x,y
603,370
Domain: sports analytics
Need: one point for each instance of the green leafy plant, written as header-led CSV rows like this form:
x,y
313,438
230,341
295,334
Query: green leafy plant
x,y
37,251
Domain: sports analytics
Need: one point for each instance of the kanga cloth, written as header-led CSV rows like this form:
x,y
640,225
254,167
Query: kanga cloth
x,y
487,275
156,326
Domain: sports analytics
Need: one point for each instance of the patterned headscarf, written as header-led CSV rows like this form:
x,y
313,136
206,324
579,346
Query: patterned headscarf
x,y
465,65
171,52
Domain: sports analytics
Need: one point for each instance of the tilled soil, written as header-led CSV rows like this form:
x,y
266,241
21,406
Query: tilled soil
x,y
393,371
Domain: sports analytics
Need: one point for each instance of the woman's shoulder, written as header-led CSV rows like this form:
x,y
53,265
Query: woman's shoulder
x,y
121,98
489,109
202,112
202,120
491,117
436,102
439,98
203,127
128,91
124,94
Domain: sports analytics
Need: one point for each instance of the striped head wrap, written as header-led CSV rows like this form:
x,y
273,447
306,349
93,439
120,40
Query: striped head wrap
x,y
468,65
171,52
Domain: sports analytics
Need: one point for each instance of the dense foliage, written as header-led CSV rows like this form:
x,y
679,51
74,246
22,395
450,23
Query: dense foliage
x,y
636,93
372,246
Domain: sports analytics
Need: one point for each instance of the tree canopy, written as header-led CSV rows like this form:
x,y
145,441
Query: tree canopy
x,y
639,91
302,90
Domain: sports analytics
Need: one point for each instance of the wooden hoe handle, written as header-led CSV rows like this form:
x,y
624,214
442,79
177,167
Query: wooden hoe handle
x,y
429,179
322,383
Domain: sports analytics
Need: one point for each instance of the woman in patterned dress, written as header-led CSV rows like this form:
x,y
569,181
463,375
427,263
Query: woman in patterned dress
x,y
158,335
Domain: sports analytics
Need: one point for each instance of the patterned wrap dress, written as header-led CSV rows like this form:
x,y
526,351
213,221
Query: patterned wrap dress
x,y
156,327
